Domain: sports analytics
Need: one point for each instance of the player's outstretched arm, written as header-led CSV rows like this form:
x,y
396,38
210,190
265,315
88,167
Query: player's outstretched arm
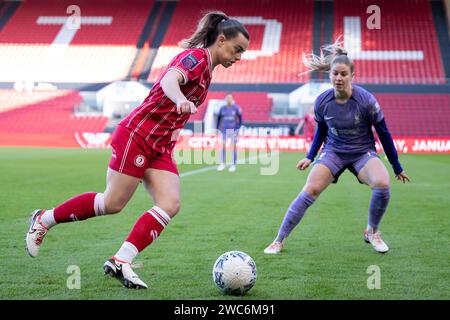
x,y
319,138
388,145
170,84
299,127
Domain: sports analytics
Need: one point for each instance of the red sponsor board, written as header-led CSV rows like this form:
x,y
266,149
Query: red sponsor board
x,y
77,140
292,143
209,142
38,140
421,145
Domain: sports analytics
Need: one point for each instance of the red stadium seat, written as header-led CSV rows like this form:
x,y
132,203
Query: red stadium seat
x,y
97,52
45,112
294,17
412,32
409,115
416,115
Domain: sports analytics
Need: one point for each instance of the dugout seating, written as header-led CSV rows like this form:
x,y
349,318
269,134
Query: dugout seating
x,y
102,50
401,32
293,16
45,112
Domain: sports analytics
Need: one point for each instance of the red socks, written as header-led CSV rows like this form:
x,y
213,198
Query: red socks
x,y
148,227
78,208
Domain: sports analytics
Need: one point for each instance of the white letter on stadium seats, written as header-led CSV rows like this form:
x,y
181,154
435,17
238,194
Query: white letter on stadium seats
x,y
68,29
374,21
271,38
353,43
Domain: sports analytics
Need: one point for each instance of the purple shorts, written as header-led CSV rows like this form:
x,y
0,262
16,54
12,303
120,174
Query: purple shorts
x,y
231,134
337,163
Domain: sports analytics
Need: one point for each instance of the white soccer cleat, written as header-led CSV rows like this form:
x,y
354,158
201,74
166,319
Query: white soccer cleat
x,y
232,168
123,272
35,233
274,248
221,167
375,240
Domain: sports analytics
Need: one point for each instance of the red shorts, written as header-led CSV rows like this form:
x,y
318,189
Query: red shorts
x,y
132,155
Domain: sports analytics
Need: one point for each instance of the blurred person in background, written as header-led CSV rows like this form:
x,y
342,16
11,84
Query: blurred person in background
x,y
229,121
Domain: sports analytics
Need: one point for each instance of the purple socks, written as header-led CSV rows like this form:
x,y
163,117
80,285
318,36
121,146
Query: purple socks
x,y
378,205
294,214
298,207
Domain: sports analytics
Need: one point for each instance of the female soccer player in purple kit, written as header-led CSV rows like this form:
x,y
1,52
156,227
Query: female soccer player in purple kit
x,y
345,115
229,121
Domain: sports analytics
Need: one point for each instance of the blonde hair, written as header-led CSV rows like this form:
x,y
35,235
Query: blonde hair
x,y
329,55
210,26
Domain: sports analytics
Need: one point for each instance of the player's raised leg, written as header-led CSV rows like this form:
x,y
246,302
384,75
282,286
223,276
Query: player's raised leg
x,y
318,180
376,176
164,187
120,188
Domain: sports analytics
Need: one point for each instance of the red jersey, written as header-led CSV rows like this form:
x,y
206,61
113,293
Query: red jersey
x,y
309,127
156,118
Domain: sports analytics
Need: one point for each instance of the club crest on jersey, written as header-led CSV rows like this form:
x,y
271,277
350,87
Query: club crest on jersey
x,y
193,99
139,161
189,62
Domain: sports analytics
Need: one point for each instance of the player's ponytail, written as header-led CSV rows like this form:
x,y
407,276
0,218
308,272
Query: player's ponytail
x,y
329,55
210,26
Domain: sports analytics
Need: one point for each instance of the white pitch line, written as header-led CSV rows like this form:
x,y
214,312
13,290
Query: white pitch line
x,y
201,170
192,172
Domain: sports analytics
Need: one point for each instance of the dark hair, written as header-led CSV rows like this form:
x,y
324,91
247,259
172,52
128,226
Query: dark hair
x,y
210,27
329,55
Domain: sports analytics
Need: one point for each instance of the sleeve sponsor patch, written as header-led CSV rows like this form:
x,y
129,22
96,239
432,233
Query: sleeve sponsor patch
x,y
375,108
189,61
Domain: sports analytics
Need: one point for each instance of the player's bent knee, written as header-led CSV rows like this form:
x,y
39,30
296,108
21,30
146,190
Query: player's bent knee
x,y
113,207
312,190
171,208
381,184
174,208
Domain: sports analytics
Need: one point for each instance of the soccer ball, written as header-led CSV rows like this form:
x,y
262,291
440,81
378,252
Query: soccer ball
x,y
234,272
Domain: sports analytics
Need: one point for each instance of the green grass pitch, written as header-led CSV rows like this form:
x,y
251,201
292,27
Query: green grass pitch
x,y
325,256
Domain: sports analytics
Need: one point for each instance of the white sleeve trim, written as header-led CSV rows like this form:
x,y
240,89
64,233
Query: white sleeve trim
x,y
185,78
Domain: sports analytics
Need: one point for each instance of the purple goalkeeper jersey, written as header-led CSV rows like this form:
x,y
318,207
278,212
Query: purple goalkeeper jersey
x,y
349,124
229,117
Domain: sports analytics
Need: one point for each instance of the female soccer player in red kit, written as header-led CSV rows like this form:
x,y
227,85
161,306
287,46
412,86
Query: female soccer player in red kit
x,y
143,142
308,123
